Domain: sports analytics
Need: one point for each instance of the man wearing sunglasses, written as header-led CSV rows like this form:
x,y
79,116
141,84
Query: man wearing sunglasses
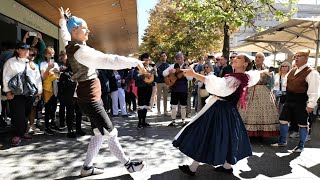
x,y
303,84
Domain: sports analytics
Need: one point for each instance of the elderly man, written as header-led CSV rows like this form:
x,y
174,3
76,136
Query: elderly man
x,y
302,95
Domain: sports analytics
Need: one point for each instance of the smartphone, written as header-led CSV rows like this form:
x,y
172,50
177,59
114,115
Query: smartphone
x,y
51,60
33,34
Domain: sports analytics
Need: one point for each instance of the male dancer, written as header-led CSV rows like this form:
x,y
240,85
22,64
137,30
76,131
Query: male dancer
x,y
303,86
84,61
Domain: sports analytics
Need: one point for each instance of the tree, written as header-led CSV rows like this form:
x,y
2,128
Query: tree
x,y
169,32
230,14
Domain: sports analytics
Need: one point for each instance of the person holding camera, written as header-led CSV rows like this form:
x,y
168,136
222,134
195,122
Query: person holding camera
x,y
35,40
49,72
36,78
280,83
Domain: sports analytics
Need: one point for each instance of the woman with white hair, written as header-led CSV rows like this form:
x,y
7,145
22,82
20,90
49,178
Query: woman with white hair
x,y
280,84
261,117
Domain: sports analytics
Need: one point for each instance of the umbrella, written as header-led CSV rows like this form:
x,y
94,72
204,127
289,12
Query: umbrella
x,y
272,47
304,32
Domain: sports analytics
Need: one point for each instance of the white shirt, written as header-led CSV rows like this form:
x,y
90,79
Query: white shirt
x,y
225,86
277,83
200,83
16,65
313,81
44,66
94,59
166,72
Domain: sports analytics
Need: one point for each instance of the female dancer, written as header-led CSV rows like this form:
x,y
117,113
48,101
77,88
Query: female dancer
x,y
84,61
217,135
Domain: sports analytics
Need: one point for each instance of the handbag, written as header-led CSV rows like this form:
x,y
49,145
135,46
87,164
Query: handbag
x,y
203,93
20,84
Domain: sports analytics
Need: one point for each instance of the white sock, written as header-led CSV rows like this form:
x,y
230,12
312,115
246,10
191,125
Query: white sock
x,y
116,148
227,165
93,149
194,166
183,113
174,111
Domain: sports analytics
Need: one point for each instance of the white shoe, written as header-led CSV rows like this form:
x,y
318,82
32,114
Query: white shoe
x,y
294,135
308,138
134,166
296,150
91,171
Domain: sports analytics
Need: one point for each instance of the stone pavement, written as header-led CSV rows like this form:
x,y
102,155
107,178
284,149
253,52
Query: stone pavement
x,y
58,157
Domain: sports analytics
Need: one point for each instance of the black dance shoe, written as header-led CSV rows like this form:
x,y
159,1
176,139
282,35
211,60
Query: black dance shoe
x,y
224,170
185,169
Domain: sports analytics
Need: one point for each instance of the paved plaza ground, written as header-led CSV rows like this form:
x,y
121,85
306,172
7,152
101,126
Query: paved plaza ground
x,y
59,157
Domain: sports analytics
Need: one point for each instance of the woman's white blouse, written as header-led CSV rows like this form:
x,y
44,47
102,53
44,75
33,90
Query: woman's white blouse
x,y
15,65
225,86
277,83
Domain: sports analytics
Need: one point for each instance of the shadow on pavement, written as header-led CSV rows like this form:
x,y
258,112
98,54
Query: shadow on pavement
x,y
204,172
269,164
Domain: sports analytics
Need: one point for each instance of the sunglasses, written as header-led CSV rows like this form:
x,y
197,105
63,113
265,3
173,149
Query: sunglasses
x,y
33,55
218,59
206,67
232,57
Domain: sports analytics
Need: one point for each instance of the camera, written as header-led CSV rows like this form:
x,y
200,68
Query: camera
x,y
33,34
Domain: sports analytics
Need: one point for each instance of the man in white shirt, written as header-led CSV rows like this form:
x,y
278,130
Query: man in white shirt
x,y
303,85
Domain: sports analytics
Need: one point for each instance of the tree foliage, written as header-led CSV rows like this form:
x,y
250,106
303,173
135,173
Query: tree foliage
x,y
197,27
231,13
169,32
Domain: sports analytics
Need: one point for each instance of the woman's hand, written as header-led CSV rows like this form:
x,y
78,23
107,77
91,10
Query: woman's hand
x,y
26,36
141,68
188,72
10,95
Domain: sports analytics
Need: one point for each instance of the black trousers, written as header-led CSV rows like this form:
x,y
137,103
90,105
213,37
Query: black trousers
x,y
50,111
20,107
144,96
97,115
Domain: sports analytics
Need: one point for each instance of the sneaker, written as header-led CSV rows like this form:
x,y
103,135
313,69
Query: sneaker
x,y
146,125
71,134
184,123
27,136
140,126
15,141
48,131
172,124
55,127
308,138
89,171
3,123
224,170
134,166
294,135
185,169
80,132
296,150
279,144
